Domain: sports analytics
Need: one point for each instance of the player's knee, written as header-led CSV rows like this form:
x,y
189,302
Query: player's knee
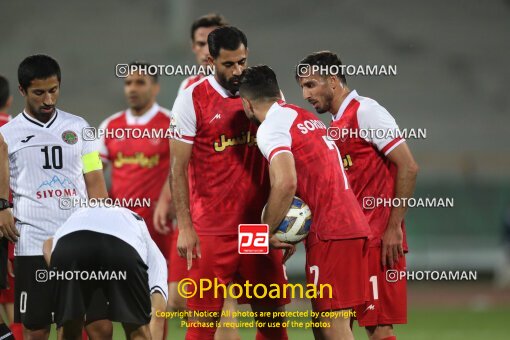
x,y
137,332
380,332
36,334
176,304
100,329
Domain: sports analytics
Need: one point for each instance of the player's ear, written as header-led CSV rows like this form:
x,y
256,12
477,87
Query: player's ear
x,y
210,61
22,91
332,82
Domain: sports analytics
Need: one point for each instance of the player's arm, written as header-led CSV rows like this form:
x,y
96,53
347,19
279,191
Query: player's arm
x,y
95,183
407,171
164,210
274,141
47,246
7,226
93,169
157,324
158,275
179,160
282,172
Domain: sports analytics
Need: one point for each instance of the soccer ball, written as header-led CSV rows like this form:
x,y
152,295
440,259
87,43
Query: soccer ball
x,y
296,224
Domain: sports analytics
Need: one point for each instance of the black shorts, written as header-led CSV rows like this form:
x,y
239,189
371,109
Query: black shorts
x,y
33,292
107,266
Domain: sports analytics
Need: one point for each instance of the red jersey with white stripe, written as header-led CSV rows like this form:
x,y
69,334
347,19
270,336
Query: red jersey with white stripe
x,y
188,82
4,118
228,177
321,181
139,165
369,172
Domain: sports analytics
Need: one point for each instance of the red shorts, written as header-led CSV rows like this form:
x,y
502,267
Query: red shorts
x,y
7,295
343,264
222,261
177,268
388,297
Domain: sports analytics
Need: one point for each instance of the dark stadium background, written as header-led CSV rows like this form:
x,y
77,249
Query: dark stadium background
x,y
453,74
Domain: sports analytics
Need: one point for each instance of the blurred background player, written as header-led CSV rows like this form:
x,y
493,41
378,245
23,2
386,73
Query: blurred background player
x,y
376,167
7,294
140,166
44,158
295,144
113,241
218,185
200,29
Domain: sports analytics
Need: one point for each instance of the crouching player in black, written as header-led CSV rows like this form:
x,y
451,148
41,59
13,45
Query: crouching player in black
x,y
107,251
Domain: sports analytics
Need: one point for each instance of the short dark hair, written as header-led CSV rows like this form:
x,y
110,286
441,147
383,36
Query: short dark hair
x,y
37,66
226,37
144,65
208,20
322,58
4,91
259,82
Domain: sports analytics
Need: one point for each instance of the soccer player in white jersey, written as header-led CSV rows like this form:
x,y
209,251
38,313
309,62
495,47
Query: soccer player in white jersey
x,y
44,160
113,243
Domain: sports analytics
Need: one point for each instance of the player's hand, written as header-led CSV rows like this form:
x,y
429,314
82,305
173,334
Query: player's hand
x,y
392,245
7,226
162,214
187,241
289,249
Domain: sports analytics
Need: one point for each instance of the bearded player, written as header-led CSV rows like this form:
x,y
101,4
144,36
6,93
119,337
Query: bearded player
x,y
164,211
218,185
376,167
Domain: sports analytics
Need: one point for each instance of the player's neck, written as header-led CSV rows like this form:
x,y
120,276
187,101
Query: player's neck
x,y
339,99
141,111
262,110
42,117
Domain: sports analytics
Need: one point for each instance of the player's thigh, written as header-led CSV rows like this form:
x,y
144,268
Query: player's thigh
x,y
175,300
263,270
217,265
338,269
33,292
387,303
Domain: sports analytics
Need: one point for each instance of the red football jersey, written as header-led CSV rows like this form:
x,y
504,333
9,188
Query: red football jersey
x,y
365,149
188,82
321,181
139,165
229,181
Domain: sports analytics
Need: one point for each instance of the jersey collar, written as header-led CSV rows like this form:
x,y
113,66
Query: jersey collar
x,y
131,119
220,89
353,94
39,123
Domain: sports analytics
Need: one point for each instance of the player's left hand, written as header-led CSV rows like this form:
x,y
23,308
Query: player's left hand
x,y
392,245
289,249
162,214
